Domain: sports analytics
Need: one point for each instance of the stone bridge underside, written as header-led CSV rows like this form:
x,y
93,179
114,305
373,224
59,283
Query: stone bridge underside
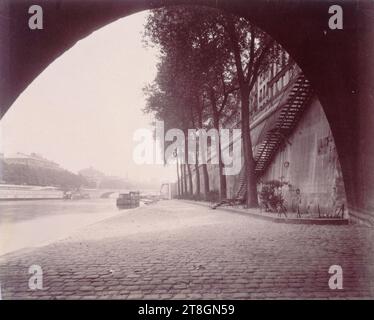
x,y
337,62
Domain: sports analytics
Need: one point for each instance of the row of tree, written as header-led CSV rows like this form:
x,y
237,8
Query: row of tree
x,y
209,64
28,175
37,176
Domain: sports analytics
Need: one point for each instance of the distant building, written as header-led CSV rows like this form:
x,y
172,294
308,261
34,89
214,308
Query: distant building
x,y
92,175
32,160
271,86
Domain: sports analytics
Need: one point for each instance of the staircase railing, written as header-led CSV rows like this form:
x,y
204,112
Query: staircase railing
x,y
290,114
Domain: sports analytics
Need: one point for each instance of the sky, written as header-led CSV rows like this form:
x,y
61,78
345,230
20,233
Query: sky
x,y
85,107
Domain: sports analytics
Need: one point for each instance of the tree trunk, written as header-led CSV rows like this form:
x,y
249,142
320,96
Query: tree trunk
x,y
197,170
249,162
204,166
190,179
222,177
179,180
187,168
182,179
185,179
206,181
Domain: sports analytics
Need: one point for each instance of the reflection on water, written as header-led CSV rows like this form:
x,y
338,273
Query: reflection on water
x,y
38,222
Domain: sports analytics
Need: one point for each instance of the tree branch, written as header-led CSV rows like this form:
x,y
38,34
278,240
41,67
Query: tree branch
x,y
225,97
251,54
259,62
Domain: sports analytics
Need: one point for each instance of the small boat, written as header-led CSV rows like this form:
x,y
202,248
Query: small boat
x,y
128,200
75,195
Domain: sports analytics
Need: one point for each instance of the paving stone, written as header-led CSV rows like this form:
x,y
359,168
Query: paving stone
x,y
175,250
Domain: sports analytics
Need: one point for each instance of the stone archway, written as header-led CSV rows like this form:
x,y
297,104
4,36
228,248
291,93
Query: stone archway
x,y
337,62
108,194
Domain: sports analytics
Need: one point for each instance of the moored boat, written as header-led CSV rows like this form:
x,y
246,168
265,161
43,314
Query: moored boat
x,y
128,200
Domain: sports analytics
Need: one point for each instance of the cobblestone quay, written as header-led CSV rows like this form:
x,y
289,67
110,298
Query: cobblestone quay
x,y
179,250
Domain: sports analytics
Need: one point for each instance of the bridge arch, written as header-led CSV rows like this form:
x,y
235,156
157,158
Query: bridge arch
x,y
108,194
337,62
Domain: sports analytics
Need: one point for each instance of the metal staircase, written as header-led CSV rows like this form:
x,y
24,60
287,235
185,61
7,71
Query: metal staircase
x,y
290,114
240,195
297,101
242,190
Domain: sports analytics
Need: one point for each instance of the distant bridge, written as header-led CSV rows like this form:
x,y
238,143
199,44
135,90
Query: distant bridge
x,y
103,193
108,193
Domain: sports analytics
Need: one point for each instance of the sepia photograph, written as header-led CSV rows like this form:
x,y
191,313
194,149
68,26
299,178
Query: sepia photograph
x,y
206,151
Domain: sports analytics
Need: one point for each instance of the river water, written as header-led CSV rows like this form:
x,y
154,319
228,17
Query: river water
x,y
31,223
